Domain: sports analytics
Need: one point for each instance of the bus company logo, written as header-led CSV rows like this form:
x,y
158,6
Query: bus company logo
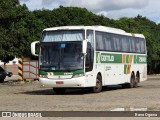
x,y
99,58
107,58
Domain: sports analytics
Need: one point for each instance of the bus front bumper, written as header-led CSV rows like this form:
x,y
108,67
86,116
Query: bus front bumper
x,y
73,82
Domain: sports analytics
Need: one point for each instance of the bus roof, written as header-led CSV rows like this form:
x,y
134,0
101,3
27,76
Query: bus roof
x,y
97,28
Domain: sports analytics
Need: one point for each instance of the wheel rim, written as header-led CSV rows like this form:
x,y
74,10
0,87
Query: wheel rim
x,y
136,82
97,84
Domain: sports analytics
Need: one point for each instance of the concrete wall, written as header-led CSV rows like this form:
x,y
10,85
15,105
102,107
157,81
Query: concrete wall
x,y
12,68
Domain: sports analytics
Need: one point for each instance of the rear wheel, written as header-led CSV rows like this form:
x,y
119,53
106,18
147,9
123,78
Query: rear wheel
x,y
59,90
133,82
98,87
136,81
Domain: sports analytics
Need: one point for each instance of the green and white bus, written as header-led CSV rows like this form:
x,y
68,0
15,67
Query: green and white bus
x,y
90,57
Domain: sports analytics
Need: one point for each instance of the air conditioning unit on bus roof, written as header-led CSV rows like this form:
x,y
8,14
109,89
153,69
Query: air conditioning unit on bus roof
x,y
138,35
110,29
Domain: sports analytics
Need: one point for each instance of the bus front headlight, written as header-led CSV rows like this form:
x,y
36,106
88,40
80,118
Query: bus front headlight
x,y
43,76
77,75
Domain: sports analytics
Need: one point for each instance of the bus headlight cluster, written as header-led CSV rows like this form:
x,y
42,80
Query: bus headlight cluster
x,y
78,75
43,76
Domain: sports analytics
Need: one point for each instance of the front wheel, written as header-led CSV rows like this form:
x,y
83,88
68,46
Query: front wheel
x,y
98,87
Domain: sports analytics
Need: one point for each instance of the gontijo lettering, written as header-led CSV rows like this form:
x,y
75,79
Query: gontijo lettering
x,y
107,58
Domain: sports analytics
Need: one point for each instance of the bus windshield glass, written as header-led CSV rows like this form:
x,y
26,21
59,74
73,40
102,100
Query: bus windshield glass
x,y
63,35
61,56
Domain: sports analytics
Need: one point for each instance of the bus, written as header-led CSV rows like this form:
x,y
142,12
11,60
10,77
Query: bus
x,y
90,57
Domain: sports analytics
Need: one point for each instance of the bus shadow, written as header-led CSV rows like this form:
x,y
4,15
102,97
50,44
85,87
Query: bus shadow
x,y
73,91
51,92
115,87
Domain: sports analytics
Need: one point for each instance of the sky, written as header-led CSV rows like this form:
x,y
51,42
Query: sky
x,y
114,9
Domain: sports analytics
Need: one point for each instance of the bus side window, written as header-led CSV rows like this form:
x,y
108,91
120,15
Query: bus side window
x,y
90,50
133,47
137,45
108,42
125,44
99,41
130,44
117,43
142,45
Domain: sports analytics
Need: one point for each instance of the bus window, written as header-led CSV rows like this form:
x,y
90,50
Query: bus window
x,y
108,42
117,43
125,44
90,37
99,41
90,51
132,45
138,47
63,35
142,45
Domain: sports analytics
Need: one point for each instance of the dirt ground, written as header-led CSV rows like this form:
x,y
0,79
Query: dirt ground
x,y
30,96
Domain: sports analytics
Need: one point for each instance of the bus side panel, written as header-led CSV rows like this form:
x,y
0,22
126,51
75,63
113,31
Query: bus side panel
x,y
114,74
142,68
143,75
91,79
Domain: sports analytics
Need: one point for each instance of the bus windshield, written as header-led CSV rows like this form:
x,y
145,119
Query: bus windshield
x,y
61,56
63,35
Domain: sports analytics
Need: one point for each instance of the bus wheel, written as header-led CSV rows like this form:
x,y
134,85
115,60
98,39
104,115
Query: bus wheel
x,y
98,87
59,90
133,82
136,82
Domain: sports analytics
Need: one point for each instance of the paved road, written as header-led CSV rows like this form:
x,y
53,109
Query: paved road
x,y
29,96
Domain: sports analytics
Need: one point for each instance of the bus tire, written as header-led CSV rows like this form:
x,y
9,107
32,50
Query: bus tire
x,y
59,90
133,82
136,82
98,87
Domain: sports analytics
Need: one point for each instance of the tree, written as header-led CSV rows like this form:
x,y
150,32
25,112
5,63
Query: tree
x,y
10,13
151,32
63,16
19,27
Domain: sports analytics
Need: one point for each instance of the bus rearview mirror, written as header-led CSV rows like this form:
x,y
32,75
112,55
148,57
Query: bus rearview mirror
x,y
33,48
84,47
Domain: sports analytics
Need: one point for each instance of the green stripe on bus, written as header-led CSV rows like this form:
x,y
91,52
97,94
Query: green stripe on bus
x,y
42,72
118,58
108,58
140,59
62,73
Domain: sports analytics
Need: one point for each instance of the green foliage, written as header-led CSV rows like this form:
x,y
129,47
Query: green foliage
x,y
151,31
8,15
19,27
